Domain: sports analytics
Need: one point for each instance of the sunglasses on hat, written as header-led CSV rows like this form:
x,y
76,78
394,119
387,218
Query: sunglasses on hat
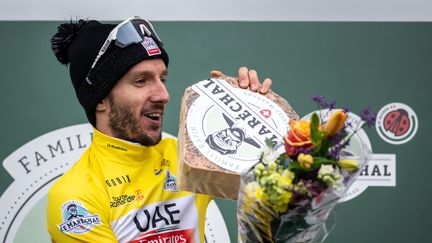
x,y
132,30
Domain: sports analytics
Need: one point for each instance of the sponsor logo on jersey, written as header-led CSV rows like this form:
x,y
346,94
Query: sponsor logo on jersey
x,y
164,164
118,180
170,182
166,235
76,218
121,200
169,221
138,195
113,146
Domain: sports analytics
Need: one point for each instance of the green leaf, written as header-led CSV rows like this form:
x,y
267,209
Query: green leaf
x,y
325,145
314,131
294,165
269,143
318,161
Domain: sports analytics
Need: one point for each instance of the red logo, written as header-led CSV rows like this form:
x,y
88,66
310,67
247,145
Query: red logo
x,y
266,113
138,195
178,236
151,47
397,122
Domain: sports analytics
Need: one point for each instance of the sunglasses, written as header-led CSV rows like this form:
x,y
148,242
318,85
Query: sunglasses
x,y
132,30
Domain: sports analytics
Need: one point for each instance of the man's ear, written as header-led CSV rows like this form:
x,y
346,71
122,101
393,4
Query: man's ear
x,y
102,106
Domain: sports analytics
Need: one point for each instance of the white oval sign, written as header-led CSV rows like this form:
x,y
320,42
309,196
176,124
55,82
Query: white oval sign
x,y
229,126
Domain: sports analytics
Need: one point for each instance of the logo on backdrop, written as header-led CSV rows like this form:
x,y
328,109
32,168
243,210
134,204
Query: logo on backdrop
x,y
230,125
380,169
396,123
36,165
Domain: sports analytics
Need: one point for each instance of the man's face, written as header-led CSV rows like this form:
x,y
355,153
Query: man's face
x,y
227,139
73,211
136,104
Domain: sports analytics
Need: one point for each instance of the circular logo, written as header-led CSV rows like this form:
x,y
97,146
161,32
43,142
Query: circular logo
x,y
76,218
230,126
396,123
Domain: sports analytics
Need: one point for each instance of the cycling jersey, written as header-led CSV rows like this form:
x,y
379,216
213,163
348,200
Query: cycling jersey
x,y
124,192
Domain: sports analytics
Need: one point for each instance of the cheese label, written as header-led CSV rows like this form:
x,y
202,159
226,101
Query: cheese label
x,y
229,125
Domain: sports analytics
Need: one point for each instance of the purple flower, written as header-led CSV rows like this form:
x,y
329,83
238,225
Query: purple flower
x,y
368,117
335,150
337,138
330,105
320,100
304,150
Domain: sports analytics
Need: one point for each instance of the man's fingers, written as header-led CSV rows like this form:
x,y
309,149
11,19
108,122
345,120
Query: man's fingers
x,y
247,79
254,83
243,77
216,74
265,87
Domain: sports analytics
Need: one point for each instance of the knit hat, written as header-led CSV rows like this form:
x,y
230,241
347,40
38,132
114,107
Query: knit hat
x,y
78,43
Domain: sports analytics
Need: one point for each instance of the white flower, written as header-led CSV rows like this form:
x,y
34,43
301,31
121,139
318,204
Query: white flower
x,y
269,155
325,170
330,176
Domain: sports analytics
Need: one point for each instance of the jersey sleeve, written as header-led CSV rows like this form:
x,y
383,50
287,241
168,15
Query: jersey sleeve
x,y
76,213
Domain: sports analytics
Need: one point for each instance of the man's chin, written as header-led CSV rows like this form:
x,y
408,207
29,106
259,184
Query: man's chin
x,y
150,139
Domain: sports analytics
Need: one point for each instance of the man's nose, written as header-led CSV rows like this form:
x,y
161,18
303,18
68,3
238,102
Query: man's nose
x,y
160,93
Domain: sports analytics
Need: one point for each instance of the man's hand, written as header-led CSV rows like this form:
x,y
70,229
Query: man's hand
x,y
248,79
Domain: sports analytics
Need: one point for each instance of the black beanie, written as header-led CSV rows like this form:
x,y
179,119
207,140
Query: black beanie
x,y
77,44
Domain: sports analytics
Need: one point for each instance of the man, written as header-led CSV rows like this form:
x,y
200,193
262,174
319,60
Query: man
x,y
119,74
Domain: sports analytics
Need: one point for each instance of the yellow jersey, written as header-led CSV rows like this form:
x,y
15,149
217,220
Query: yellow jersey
x,y
124,192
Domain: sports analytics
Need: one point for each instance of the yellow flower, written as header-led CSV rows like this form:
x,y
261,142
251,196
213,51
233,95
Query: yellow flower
x,y
305,160
281,208
335,123
260,195
288,174
348,165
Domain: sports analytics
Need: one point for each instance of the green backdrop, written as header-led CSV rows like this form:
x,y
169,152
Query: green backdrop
x,y
356,64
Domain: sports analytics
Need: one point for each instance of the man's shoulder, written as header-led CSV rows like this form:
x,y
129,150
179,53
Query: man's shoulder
x,y
167,144
72,182
168,141
76,186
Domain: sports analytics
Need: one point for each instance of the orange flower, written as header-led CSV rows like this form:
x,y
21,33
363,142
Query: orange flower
x,y
335,123
297,137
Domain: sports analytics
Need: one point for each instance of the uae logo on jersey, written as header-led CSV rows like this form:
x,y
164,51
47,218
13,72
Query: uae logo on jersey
x,y
76,218
170,182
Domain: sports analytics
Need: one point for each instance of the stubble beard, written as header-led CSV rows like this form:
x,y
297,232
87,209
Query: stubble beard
x,y
125,125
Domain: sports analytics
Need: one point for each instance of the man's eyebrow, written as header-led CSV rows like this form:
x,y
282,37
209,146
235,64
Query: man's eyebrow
x,y
148,73
164,72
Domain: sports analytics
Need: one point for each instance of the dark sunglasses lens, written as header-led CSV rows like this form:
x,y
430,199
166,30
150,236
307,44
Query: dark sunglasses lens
x,y
126,35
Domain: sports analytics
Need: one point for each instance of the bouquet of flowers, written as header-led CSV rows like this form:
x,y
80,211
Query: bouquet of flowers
x,y
288,196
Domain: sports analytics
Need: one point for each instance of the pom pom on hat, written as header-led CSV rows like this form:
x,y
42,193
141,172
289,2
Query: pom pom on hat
x,y
62,39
